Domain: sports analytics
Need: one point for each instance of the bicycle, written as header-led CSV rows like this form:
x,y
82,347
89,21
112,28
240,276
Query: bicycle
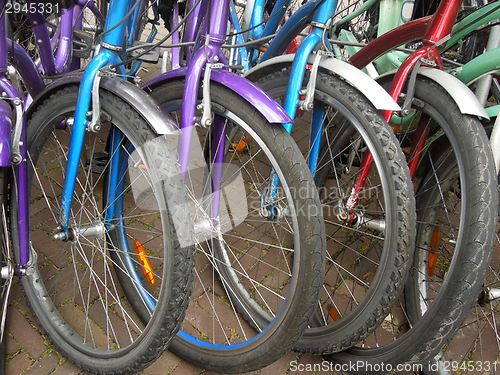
x,y
482,319
311,342
481,323
360,117
291,206
64,271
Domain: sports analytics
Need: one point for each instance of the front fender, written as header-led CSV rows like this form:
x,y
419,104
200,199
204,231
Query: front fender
x,y
465,99
266,105
366,85
154,115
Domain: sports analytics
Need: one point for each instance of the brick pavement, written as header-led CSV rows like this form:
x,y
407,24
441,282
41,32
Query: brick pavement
x,y
29,352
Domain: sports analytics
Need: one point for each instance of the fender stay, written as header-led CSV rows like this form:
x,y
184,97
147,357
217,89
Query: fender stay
x,y
366,85
465,99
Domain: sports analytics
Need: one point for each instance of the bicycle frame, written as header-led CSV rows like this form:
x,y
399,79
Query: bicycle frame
x,y
437,28
111,48
317,13
13,152
291,28
393,37
19,150
63,37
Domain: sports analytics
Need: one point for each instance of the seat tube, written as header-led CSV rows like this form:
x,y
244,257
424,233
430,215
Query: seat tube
x,y
65,40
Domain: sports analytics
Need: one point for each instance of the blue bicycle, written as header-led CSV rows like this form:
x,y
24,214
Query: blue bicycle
x,y
85,183
369,230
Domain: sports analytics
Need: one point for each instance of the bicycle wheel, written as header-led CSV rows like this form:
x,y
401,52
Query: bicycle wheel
x,y
73,289
6,264
367,254
456,218
265,243
475,346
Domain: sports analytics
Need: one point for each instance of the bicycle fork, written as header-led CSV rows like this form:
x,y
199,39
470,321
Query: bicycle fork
x,y
429,53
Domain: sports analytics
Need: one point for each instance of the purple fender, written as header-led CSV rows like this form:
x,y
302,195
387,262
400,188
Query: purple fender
x,y
266,105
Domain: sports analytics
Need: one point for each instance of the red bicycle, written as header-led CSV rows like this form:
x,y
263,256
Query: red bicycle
x,y
456,194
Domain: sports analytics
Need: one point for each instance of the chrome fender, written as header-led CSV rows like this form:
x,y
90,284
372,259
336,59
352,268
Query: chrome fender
x,y
466,101
366,85
154,115
266,105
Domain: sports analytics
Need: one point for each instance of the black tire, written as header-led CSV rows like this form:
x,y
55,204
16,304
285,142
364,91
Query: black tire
x,y
480,328
5,284
366,269
468,170
281,257
73,291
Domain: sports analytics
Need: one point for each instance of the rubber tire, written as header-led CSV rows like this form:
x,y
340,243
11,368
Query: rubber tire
x,y
178,278
308,266
473,250
397,250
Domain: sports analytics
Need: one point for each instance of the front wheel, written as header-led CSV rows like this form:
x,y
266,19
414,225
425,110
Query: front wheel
x,y
369,245
129,195
260,237
456,218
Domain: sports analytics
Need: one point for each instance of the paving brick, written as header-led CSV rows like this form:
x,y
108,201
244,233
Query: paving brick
x,y
12,346
27,336
167,363
186,369
280,366
44,365
18,364
68,369
16,292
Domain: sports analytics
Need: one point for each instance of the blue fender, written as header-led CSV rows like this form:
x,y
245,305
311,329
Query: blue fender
x,y
266,105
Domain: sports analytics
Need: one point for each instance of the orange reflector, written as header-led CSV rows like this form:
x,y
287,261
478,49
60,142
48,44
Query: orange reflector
x,y
333,312
145,263
396,128
433,249
241,145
